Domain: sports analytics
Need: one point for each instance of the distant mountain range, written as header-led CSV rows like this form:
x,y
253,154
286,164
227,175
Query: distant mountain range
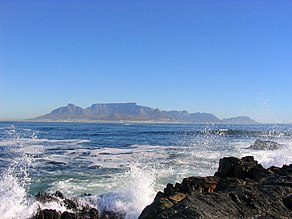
x,y
131,112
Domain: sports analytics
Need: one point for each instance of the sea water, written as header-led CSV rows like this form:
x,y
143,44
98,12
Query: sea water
x,y
121,166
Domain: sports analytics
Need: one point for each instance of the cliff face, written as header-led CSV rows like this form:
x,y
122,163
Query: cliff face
x,y
241,188
134,112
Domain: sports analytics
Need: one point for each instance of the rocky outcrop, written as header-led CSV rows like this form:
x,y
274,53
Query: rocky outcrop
x,y
265,145
241,188
75,210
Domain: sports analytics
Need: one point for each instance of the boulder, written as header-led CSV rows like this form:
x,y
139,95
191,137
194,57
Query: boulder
x,y
235,167
265,145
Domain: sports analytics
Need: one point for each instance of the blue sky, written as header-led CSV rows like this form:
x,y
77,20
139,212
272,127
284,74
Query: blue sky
x,y
224,57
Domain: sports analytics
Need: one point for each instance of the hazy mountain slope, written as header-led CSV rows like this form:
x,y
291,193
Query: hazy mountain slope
x,y
134,112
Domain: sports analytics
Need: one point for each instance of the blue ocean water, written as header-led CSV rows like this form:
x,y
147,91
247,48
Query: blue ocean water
x,y
121,166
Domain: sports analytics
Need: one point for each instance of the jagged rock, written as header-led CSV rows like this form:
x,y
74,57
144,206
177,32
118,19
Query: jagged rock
x,y
47,197
265,145
47,214
241,188
235,167
75,211
70,204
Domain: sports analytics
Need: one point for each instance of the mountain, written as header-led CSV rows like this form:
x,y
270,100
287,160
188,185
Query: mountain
x,y
127,112
64,113
238,120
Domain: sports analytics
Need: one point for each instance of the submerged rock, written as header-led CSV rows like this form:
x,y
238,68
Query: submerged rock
x,y
241,188
265,145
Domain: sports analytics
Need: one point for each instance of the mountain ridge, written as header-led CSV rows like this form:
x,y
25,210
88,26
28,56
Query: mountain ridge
x,y
131,112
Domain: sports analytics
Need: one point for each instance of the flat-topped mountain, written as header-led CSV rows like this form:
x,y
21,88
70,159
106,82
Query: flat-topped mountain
x,y
132,112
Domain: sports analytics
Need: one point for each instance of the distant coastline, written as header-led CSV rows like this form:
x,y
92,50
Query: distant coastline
x,y
133,113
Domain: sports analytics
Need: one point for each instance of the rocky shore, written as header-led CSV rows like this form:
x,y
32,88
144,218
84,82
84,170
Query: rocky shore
x,y
241,188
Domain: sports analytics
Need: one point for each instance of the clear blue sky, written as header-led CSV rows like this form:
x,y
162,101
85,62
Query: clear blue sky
x,y
224,57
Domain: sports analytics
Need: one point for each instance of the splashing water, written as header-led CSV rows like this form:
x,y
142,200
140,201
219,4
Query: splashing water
x,y
138,191
13,194
123,167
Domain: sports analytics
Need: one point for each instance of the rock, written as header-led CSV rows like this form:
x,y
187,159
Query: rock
x,y
68,215
164,202
59,194
287,201
47,197
241,188
70,204
112,215
229,183
47,214
177,197
75,210
265,145
91,213
235,167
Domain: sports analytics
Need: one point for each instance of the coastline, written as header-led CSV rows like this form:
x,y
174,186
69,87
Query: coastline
x,y
136,122
241,188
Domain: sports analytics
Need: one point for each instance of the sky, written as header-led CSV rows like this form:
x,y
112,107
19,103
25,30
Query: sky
x,y
228,58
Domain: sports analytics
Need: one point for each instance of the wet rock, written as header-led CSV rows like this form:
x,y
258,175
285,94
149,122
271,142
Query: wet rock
x,y
241,188
47,214
265,145
287,201
68,215
47,197
75,210
112,215
70,204
91,213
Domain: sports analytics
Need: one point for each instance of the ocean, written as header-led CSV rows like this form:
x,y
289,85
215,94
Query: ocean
x,y
118,167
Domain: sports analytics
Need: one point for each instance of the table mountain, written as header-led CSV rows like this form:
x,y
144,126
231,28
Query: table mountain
x,y
132,112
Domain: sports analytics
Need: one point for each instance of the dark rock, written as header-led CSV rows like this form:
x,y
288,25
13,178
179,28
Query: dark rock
x,y
112,215
265,145
91,213
229,183
75,211
47,214
47,197
199,184
164,202
68,215
70,204
241,188
59,194
288,201
235,167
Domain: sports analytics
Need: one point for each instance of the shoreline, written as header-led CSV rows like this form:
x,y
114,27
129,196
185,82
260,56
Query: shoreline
x,y
241,188
136,122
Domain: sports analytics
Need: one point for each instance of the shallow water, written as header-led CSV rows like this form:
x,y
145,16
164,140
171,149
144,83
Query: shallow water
x,y
121,165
